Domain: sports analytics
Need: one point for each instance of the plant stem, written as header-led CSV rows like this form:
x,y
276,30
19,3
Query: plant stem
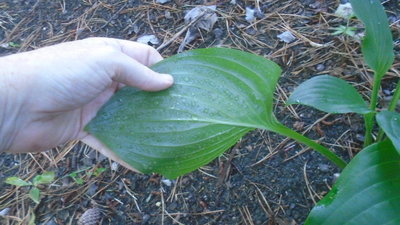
x,y
369,118
312,144
392,107
395,98
369,122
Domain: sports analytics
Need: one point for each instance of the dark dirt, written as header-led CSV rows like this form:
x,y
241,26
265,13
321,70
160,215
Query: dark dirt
x,y
233,189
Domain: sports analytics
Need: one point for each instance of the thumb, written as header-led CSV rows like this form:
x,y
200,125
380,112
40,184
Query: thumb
x,y
132,73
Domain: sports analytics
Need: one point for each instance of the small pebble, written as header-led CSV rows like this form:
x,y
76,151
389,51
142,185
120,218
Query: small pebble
x,y
387,92
218,33
145,218
92,189
360,137
393,19
167,14
51,222
251,31
323,167
320,67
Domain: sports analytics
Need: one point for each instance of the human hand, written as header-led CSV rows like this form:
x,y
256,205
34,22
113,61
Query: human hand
x,y
47,96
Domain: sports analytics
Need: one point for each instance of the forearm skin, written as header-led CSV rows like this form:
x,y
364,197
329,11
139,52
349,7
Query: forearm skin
x,y
10,99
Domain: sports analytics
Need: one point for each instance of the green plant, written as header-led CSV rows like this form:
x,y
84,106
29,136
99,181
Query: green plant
x,y
345,11
14,45
221,94
34,193
368,190
346,30
77,176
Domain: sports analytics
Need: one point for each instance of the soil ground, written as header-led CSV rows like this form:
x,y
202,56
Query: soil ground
x,y
264,179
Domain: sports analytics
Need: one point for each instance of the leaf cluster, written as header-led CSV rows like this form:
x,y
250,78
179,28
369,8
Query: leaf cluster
x,y
78,176
34,193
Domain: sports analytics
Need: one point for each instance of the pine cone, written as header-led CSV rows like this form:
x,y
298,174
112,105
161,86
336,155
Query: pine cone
x,y
90,217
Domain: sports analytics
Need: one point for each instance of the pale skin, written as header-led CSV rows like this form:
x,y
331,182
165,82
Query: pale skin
x,y
47,96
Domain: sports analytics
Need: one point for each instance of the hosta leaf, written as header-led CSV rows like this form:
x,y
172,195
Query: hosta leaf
x,y
377,45
329,94
367,191
218,96
390,123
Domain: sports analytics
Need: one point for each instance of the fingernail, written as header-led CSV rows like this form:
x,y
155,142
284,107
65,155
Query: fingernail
x,y
168,78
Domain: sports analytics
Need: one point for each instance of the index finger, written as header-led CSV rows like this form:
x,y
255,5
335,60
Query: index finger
x,y
142,53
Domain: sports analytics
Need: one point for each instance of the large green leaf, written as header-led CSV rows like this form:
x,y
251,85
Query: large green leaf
x,y
367,191
377,45
390,123
329,94
218,96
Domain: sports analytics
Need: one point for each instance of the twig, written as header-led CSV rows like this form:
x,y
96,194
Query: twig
x,y
128,190
200,214
165,44
162,205
308,184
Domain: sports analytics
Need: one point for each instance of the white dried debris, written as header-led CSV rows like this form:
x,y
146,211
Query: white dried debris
x,y
162,1
207,14
252,14
203,17
335,177
345,11
148,39
286,37
5,211
114,166
5,45
166,182
167,14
